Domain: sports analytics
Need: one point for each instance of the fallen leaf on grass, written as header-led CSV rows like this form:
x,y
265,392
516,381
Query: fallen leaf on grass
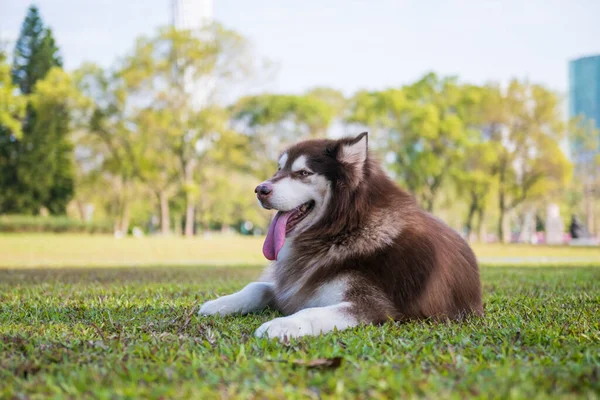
x,y
319,362
27,369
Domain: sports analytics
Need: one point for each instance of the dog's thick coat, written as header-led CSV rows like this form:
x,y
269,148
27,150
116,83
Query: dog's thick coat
x,y
365,253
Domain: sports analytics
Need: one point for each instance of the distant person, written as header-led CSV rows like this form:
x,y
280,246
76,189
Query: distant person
x,y
578,231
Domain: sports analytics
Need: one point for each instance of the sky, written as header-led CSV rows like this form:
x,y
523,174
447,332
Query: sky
x,y
350,44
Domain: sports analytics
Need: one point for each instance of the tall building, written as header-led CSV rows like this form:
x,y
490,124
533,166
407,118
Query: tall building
x,y
194,15
191,14
584,94
584,100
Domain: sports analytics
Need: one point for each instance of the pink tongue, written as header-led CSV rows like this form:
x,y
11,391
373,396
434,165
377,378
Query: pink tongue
x,y
276,235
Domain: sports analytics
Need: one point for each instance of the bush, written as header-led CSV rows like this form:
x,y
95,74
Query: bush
x,y
55,224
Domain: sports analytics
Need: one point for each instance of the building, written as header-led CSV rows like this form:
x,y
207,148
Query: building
x,y
191,14
584,100
584,94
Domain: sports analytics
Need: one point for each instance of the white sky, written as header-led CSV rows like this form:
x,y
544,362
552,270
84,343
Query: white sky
x,y
351,44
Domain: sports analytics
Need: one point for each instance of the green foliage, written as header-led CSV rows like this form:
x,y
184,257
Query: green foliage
x,y
35,52
437,133
12,105
476,178
423,127
12,110
584,138
307,116
584,191
133,332
525,121
38,169
45,171
50,224
272,121
170,135
108,149
334,98
230,199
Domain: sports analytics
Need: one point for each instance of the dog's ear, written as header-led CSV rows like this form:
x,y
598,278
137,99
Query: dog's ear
x,y
354,151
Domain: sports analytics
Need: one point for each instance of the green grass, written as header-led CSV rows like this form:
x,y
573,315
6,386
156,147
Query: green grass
x,y
67,250
133,332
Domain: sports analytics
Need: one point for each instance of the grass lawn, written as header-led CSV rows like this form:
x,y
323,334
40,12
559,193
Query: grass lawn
x,y
40,250
133,332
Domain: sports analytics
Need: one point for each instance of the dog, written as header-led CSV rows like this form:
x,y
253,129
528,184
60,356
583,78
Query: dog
x,y
349,247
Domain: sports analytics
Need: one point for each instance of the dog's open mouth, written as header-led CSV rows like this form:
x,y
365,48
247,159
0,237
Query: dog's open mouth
x,y
283,223
298,214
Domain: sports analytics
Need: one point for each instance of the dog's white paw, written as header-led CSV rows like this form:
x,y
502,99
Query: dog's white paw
x,y
221,306
288,327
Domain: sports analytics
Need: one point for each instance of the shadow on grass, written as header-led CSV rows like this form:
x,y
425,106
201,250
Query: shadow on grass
x,y
204,274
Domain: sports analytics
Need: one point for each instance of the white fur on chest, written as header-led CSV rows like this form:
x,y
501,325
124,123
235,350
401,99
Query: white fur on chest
x,y
329,293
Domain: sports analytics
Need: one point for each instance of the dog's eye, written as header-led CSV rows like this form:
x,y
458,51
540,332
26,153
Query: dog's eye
x,y
303,173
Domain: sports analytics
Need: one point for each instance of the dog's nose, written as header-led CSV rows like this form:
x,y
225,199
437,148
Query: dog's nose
x,y
264,189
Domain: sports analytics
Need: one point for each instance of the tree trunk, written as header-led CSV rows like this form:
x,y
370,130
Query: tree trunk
x,y
178,224
190,213
481,226
190,209
501,219
502,208
589,208
472,210
429,204
125,217
81,209
164,213
501,199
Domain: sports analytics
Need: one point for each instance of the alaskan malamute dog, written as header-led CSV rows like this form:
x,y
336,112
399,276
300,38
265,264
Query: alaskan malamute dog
x,y
348,247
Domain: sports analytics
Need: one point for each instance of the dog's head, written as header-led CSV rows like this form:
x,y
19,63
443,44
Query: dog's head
x,y
302,187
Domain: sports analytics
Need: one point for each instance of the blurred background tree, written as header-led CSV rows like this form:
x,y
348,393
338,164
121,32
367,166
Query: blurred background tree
x,y
39,173
12,111
585,187
525,121
274,121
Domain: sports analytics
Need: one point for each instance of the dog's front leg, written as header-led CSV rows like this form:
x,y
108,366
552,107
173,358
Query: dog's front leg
x,y
254,297
310,321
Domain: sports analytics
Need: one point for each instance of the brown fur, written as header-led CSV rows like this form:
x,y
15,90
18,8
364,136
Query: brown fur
x,y
399,262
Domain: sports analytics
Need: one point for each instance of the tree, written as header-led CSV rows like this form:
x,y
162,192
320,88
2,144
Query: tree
x,y
12,110
299,116
421,128
475,180
35,52
41,173
272,121
105,140
173,129
525,121
12,104
585,144
46,164
333,97
229,199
